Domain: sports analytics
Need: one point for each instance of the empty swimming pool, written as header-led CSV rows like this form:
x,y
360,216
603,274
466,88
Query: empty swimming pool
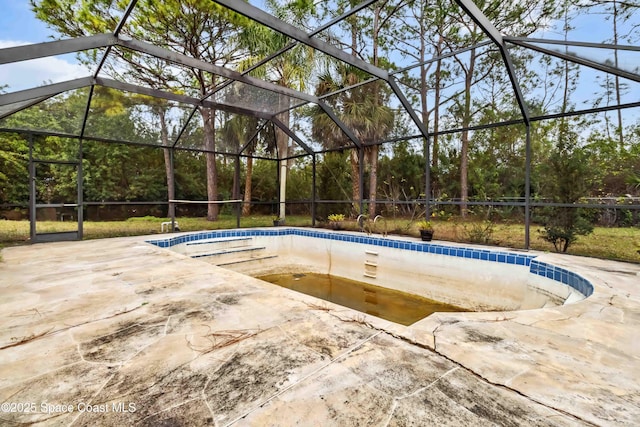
x,y
472,278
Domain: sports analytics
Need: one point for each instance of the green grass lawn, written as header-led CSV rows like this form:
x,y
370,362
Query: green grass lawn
x,y
609,243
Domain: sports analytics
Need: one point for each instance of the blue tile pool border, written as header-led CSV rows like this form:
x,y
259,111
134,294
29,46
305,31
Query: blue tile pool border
x,y
539,268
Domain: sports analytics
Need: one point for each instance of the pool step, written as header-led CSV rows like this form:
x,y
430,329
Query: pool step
x,y
199,248
234,256
220,256
250,266
228,252
230,264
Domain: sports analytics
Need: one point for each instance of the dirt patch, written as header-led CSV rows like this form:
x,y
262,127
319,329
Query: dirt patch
x,y
490,405
396,368
229,299
55,389
262,366
123,343
329,338
150,399
477,336
172,308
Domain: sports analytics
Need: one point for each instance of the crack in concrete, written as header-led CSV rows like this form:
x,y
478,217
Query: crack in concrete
x,y
94,396
392,410
506,387
166,325
204,398
168,409
428,386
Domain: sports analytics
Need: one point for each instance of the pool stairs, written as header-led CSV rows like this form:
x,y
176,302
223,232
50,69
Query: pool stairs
x,y
227,252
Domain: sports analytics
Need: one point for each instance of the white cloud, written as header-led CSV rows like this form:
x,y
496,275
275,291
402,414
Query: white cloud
x,y
37,72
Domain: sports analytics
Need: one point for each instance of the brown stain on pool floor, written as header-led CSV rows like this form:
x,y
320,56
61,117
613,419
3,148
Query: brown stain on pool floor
x,y
389,304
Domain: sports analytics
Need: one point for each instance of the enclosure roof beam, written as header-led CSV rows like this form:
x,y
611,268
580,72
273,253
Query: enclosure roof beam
x,y
490,30
572,43
441,57
58,47
116,32
352,136
480,18
320,29
45,91
578,60
87,109
188,61
515,84
407,106
290,46
254,136
185,126
292,135
23,105
289,30
128,87
125,16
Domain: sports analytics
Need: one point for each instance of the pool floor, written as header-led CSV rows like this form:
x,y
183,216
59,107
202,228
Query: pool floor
x,y
125,333
389,304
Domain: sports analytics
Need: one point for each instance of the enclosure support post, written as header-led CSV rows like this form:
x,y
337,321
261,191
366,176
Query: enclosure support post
x,y
32,191
527,189
80,179
173,179
313,190
361,178
427,180
277,213
80,170
236,191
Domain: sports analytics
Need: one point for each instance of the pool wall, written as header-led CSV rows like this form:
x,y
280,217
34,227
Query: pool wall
x,y
472,278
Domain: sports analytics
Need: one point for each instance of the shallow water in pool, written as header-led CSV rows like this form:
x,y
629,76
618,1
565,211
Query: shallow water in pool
x,y
389,304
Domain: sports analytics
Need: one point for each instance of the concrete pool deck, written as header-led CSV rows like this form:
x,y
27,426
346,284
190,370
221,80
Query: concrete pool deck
x,y
118,332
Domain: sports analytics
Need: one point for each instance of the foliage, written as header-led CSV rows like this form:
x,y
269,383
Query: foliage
x,y
14,151
336,217
479,231
425,225
401,176
563,226
568,180
333,182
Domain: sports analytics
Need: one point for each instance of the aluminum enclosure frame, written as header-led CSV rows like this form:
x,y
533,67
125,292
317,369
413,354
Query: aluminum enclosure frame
x,y
20,100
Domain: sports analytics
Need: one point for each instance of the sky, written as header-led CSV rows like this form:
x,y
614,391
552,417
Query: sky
x,y
18,26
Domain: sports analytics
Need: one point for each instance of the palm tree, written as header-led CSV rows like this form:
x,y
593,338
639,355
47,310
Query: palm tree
x,y
363,110
291,69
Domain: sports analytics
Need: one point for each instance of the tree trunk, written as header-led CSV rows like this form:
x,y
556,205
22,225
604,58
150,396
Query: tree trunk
x,y
171,187
617,78
424,84
373,150
464,172
246,207
355,155
355,180
373,179
436,111
464,149
212,170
